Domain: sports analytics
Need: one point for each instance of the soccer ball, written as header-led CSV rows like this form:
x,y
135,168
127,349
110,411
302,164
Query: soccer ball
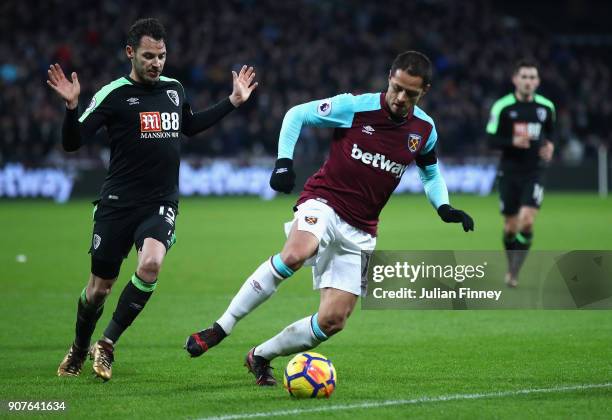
x,y
310,375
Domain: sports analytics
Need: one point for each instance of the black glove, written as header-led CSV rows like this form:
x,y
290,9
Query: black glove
x,y
451,215
283,177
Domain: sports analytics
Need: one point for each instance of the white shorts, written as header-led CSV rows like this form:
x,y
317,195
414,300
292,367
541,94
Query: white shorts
x,y
337,262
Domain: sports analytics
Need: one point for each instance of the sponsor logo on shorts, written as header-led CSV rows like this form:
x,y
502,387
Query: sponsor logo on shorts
x,y
96,241
414,140
311,220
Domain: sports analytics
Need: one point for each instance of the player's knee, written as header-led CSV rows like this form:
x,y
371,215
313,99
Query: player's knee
x,y
527,223
293,257
332,323
99,291
149,268
511,226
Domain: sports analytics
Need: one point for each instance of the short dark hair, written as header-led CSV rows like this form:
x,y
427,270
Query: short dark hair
x,y
524,62
415,64
145,27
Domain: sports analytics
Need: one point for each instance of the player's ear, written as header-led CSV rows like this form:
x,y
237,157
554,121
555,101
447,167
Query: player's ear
x,y
426,89
129,51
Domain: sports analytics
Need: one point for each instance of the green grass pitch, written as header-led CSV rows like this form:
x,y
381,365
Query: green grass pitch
x,y
424,356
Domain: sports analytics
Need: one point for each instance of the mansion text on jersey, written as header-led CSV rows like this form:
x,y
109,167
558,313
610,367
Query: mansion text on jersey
x,y
160,135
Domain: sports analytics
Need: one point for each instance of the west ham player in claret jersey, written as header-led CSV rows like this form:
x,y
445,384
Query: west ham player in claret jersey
x,y
145,115
376,136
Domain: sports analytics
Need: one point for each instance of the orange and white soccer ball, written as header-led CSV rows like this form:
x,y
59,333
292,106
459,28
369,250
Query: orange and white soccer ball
x,y
310,375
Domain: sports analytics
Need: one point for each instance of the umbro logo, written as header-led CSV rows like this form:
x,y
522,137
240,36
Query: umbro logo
x,y
513,114
133,101
281,170
256,286
367,129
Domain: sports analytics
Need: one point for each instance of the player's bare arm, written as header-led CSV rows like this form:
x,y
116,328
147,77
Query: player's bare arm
x,y
243,85
68,90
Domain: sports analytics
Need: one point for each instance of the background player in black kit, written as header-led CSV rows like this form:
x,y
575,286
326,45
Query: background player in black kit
x,y
521,124
145,114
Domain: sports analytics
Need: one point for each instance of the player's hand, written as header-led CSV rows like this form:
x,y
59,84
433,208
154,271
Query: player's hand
x,y
283,177
68,90
451,215
547,150
520,142
243,86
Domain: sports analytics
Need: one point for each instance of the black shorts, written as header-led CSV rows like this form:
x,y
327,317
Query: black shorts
x,y
518,190
117,229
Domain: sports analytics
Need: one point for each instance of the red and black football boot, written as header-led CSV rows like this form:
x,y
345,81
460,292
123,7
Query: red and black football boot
x,y
200,342
261,368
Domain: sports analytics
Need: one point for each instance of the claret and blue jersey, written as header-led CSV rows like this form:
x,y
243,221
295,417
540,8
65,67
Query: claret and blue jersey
x,y
369,153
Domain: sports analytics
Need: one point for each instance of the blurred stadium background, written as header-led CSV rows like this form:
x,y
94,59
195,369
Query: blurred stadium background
x,y
303,50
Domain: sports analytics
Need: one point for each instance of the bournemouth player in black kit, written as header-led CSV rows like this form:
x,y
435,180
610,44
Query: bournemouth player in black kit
x,y
521,124
145,115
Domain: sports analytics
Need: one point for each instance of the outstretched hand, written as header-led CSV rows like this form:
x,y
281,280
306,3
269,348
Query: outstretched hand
x,y
243,86
66,89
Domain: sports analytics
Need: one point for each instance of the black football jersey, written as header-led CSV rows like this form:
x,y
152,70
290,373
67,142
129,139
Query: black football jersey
x,y
145,123
510,117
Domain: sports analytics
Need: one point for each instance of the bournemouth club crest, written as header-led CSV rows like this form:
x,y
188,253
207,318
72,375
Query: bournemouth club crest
x,y
541,113
173,95
414,141
96,241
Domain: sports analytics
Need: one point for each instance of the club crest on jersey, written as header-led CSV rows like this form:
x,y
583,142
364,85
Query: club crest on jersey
x,y
173,95
541,113
414,141
311,220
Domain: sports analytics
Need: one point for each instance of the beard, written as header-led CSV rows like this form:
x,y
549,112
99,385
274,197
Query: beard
x,y
144,75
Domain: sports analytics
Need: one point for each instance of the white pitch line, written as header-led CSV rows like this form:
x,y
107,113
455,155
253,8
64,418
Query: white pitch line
x,y
421,400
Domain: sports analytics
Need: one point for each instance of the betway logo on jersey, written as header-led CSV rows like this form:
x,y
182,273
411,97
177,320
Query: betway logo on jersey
x,y
378,161
159,125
